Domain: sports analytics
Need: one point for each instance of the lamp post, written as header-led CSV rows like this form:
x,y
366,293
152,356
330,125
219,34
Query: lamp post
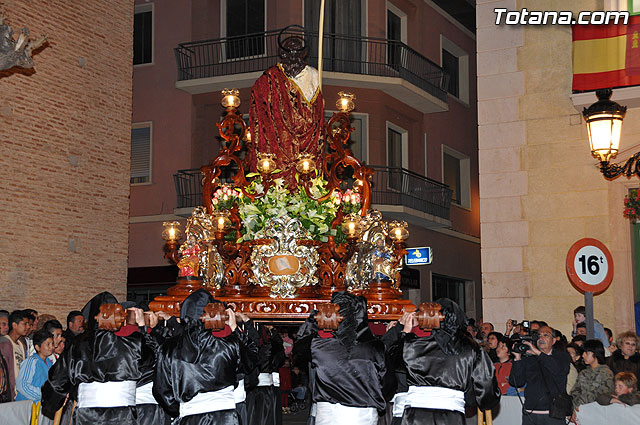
x,y
604,126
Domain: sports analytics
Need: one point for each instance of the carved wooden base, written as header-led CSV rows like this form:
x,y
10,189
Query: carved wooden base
x,y
381,290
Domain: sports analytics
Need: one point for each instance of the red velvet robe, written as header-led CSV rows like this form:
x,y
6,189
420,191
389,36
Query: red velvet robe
x,y
284,123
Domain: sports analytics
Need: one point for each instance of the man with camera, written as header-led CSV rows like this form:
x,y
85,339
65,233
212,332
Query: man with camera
x,y
544,372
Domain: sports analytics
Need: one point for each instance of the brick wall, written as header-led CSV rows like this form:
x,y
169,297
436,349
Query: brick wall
x,y
64,157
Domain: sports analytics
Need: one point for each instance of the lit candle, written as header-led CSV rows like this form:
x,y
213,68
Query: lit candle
x,y
221,223
172,233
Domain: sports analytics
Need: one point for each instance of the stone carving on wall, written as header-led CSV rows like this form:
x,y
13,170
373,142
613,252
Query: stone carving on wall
x,y
17,53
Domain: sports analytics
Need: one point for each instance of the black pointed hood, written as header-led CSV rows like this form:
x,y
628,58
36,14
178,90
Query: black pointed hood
x,y
193,306
92,308
355,325
452,329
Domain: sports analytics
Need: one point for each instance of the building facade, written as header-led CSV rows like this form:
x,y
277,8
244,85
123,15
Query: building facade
x,y
411,65
540,188
64,157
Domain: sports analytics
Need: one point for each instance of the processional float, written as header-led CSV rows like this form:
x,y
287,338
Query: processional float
x,y
294,223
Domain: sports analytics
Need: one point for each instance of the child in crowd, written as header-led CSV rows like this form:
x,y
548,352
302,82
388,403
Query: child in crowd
x,y
34,371
626,391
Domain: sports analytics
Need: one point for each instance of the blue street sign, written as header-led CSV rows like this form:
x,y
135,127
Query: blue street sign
x,y
419,256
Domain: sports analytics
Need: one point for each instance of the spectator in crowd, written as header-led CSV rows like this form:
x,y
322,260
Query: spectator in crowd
x,y
4,322
581,329
75,326
5,390
535,325
626,357
13,350
626,391
472,329
299,383
492,342
503,367
596,379
35,369
33,317
544,372
32,321
609,335
44,318
55,329
579,316
575,351
579,340
485,329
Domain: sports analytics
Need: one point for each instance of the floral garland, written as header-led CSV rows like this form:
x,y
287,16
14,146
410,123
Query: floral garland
x,y
316,217
632,205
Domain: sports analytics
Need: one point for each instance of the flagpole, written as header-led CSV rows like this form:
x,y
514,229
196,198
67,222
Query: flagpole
x,y
320,37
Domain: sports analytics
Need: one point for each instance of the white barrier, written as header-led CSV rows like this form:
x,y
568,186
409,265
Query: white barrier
x,y
509,412
16,412
618,414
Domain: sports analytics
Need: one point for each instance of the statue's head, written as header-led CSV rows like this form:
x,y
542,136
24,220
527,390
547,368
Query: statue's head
x,y
293,50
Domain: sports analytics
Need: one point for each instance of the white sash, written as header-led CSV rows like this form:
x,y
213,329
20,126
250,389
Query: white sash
x,y
435,398
265,380
399,402
239,394
337,414
276,378
107,394
212,401
144,394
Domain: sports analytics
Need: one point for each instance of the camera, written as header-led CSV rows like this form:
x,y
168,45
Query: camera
x,y
517,345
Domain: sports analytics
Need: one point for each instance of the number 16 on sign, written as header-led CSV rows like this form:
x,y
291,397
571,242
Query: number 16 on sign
x,y
590,269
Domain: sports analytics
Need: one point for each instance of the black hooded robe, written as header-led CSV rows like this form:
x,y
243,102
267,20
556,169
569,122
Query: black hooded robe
x,y
264,404
94,356
200,362
449,359
349,364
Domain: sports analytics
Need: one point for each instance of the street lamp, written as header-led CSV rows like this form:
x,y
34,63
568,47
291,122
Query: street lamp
x,y
604,126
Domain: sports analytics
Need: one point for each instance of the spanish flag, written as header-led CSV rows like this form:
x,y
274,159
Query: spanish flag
x,y
606,55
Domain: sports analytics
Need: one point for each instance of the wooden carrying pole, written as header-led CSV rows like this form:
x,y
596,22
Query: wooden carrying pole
x,y
485,417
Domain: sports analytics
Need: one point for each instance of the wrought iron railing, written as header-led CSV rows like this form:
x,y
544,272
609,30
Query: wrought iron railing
x,y
390,186
341,53
398,186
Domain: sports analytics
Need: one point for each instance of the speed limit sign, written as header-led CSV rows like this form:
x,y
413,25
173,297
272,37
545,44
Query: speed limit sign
x,y
590,265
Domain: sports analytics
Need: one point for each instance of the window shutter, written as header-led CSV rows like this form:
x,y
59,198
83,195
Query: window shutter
x,y
140,155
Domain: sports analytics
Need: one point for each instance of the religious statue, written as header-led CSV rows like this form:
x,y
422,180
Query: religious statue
x,y
286,115
189,264
16,53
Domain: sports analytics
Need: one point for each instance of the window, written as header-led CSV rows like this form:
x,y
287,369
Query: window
x,y
394,36
455,62
397,155
140,153
359,140
244,17
456,174
344,17
448,287
143,35
451,67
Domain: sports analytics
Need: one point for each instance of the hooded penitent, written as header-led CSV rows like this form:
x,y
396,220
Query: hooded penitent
x,y
446,359
96,356
197,362
349,363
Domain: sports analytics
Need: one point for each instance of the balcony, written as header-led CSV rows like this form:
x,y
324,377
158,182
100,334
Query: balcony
x,y
398,193
365,62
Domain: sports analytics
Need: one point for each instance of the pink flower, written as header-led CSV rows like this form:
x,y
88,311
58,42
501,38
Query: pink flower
x,y
346,198
214,201
225,197
353,200
219,193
